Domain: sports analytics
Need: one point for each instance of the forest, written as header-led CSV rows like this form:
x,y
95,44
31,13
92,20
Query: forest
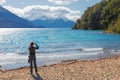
x,y
102,16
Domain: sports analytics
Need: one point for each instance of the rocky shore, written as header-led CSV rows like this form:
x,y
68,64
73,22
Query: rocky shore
x,y
104,69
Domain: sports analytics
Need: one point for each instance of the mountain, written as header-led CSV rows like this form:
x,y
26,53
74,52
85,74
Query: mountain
x,y
54,23
10,20
104,15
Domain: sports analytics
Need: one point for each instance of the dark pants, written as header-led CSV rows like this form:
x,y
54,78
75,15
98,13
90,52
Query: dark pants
x,y
33,61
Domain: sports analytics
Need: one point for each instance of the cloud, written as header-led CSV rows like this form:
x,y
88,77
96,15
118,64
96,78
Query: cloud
x,y
2,2
16,11
62,2
45,12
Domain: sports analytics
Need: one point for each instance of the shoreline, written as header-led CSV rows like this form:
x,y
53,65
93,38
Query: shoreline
x,y
94,57
67,61
61,61
106,68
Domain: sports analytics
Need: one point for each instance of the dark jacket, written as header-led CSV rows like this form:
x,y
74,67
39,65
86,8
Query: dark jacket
x,y
32,50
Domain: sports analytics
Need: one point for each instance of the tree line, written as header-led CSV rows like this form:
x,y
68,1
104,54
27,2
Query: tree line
x,y
102,16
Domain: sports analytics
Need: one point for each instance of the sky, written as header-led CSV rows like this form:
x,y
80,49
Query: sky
x,y
50,9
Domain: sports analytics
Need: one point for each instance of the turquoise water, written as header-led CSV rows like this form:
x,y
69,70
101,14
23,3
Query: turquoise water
x,y
55,45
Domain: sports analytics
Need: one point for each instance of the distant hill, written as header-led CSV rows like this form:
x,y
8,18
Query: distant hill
x,y
10,20
54,23
104,15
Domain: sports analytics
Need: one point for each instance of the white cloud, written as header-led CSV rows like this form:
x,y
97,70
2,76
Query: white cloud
x,y
16,11
43,12
62,2
2,2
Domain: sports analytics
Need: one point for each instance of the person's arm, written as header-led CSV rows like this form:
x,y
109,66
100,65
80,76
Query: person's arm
x,y
37,47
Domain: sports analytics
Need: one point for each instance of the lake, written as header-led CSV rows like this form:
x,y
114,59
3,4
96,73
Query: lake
x,y
56,44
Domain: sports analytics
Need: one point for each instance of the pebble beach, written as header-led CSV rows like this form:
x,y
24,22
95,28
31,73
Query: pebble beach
x,y
103,69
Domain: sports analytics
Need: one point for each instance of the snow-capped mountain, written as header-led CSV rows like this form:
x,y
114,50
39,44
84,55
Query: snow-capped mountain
x,y
10,20
54,23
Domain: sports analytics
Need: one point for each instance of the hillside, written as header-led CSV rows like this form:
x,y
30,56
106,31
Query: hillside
x,y
104,15
10,20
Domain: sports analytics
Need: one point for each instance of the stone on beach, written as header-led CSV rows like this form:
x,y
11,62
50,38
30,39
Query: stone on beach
x,y
104,69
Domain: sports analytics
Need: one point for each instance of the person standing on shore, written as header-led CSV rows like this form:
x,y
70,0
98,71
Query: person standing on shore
x,y
32,56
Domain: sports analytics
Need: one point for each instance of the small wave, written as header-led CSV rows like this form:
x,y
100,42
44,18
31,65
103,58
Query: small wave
x,y
115,50
92,49
52,50
22,53
119,50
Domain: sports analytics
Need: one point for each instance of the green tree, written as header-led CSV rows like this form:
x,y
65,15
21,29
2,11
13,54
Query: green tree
x,y
104,15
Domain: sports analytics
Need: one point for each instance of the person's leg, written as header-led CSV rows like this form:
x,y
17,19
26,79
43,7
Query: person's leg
x,y
31,67
35,66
